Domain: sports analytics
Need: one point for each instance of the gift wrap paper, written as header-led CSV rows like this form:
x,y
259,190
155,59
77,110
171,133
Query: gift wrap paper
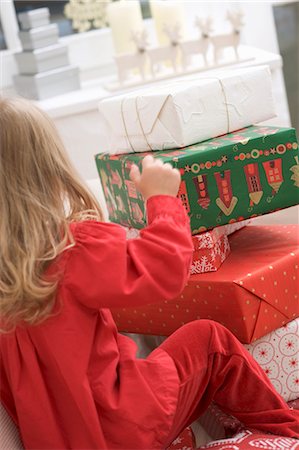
x,y
224,180
220,425
254,292
185,441
278,355
233,227
211,248
210,251
253,440
176,114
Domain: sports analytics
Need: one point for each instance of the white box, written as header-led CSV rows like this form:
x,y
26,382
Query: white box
x,y
48,84
39,37
185,112
34,18
42,59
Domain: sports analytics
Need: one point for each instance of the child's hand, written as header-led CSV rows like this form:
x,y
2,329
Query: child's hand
x,y
156,178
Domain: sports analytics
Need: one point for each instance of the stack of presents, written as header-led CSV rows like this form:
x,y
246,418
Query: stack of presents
x,y
43,63
245,277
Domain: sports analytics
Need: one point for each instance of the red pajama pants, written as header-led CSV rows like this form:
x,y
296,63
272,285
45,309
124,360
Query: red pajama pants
x,y
213,365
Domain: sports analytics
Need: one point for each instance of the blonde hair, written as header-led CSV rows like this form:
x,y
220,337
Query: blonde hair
x,y
40,195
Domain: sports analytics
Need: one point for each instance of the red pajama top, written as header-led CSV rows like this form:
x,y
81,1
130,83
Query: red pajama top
x,y
74,381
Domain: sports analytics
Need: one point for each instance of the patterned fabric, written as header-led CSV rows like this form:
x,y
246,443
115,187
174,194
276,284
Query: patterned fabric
x,y
251,440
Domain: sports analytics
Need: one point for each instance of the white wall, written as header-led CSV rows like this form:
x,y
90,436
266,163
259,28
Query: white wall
x,y
259,29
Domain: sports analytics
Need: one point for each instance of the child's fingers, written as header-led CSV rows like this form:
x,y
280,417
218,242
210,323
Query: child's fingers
x,y
135,174
147,161
158,162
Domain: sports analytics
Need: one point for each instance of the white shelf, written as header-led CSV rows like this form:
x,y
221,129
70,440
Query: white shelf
x,y
87,98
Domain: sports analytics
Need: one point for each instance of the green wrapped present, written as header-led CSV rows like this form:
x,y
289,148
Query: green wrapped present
x,y
240,175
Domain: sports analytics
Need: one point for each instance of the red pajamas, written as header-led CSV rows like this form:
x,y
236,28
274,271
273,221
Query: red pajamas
x,y
74,382
213,365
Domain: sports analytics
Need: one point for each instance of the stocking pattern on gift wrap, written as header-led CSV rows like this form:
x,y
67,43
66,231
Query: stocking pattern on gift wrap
x,y
137,213
120,204
183,196
226,201
111,204
273,170
131,188
116,179
201,185
253,183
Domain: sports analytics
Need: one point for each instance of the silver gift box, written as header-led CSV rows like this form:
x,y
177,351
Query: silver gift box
x,y
42,59
34,18
48,84
39,37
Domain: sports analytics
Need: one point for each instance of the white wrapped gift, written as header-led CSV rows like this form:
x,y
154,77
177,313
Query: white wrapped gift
x,y
184,112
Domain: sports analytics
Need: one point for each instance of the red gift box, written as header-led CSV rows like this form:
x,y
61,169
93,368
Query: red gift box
x,y
254,292
252,439
210,250
185,441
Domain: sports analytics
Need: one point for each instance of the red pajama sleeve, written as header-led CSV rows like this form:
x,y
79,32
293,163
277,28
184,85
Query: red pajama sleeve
x,y
106,270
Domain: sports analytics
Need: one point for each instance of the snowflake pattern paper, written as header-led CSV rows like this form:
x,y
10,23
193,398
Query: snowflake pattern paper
x,y
278,355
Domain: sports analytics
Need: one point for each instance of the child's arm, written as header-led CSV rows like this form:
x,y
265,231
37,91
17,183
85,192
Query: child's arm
x,y
106,270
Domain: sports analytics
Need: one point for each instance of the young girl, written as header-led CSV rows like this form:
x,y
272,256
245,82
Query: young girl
x,y
68,379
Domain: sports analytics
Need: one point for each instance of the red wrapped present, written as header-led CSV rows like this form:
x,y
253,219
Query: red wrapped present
x,y
254,292
252,439
211,248
185,441
219,425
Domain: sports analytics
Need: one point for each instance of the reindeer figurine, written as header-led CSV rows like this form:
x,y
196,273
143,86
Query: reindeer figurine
x,y
137,60
169,52
197,46
231,39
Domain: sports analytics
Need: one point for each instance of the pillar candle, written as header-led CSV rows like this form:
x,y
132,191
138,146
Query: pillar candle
x,y
167,12
124,17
